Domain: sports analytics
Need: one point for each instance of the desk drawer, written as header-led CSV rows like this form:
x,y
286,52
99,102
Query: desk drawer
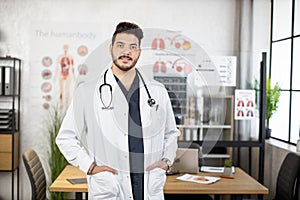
x,y
6,149
5,161
6,142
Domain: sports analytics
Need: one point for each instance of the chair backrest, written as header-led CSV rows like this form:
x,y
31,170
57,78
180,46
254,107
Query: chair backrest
x,y
36,174
287,187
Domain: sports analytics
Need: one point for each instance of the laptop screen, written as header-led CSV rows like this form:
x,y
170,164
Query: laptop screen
x,y
186,161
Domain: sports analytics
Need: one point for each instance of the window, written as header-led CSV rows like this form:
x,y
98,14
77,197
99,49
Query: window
x,y
285,68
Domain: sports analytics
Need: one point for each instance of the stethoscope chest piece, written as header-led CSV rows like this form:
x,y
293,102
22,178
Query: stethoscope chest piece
x,y
151,102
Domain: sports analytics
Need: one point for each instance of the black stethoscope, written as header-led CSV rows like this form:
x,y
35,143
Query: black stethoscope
x,y
151,102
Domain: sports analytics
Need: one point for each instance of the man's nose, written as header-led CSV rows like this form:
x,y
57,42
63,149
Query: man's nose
x,y
126,49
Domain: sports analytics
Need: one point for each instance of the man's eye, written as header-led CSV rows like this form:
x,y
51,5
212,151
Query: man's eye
x,y
133,46
120,45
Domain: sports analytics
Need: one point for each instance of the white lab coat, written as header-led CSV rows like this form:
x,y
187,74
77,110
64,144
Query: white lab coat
x,y
92,134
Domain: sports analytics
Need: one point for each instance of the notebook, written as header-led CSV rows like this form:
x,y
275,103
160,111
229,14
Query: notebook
x,y
186,161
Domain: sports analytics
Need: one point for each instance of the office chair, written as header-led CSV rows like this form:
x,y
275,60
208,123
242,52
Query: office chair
x,y
36,174
287,186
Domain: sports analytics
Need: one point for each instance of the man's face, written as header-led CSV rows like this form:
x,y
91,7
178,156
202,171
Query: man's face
x,y
125,51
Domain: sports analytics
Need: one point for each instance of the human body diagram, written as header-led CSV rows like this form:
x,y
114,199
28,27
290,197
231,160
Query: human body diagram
x,y
67,77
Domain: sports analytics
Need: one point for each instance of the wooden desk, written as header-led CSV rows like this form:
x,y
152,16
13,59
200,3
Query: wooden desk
x,y
241,184
61,184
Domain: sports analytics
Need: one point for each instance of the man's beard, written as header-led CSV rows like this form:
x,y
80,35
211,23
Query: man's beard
x,y
123,68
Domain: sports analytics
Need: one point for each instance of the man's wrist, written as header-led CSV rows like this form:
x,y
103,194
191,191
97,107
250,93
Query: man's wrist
x,y
91,169
168,162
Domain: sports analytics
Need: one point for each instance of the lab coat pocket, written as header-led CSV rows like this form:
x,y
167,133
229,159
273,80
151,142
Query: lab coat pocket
x,y
103,185
157,179
153,120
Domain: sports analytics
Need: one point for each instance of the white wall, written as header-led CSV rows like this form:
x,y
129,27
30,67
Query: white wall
x,y
213,24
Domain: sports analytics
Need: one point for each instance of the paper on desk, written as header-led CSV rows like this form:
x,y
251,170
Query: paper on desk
x,y
214,169
198,179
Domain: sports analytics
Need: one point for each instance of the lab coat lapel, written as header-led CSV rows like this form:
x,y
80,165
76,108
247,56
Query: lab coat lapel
x,y
120,104
145,109
113,122
151,117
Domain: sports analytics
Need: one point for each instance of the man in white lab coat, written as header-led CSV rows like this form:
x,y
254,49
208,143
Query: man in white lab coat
x,y
120,129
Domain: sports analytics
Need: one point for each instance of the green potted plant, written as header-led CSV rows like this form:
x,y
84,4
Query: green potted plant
x,y
227,167
272,100
56,159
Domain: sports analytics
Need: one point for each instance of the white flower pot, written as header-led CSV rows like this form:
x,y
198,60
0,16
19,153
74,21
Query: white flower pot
x,y
227,171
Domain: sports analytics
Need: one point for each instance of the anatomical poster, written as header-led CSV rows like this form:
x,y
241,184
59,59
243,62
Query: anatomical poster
x,y
57,59
244,105
171,53
166,53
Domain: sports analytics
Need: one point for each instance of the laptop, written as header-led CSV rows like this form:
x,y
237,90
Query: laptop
x,y
186,161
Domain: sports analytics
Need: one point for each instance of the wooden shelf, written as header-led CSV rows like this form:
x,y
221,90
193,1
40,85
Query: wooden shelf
x,y
10,72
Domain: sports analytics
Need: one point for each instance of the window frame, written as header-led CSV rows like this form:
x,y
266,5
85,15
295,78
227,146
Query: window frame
x,y
290,38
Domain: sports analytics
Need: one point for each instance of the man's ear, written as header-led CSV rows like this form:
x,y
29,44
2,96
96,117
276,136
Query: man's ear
x,y
110,48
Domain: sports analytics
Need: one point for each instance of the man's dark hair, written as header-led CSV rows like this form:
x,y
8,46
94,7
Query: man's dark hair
x,y
129,28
